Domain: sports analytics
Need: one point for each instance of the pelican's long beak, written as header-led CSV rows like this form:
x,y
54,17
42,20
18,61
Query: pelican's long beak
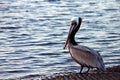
x,y
70,31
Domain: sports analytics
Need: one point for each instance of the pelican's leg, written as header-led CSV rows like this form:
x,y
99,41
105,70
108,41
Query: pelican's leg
x,y
88,70
81,69
98,70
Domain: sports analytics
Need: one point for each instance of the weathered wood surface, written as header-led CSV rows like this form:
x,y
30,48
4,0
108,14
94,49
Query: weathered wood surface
x,y
112,73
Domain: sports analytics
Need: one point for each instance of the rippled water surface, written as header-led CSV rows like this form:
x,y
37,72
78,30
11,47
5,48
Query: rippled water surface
x,y
33,32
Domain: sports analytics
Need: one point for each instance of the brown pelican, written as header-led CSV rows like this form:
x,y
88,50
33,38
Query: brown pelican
x,y
84,56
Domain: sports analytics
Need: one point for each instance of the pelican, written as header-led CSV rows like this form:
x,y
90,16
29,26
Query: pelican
x,y
83,55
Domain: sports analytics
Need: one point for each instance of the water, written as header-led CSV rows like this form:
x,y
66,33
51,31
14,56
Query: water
x,y
33,32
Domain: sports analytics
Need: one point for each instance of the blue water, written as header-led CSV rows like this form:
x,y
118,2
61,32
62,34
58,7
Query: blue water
x,y
33,33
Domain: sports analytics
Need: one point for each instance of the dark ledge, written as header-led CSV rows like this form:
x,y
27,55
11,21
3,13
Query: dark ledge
x,y
112,73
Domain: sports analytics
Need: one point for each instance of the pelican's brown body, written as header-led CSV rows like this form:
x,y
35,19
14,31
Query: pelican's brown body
x,y
83,55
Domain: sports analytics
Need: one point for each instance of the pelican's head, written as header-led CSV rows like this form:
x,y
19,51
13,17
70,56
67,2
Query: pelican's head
x,y
74,20
75,23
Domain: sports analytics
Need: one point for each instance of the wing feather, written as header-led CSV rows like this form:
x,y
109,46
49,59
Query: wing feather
x,y
87,56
